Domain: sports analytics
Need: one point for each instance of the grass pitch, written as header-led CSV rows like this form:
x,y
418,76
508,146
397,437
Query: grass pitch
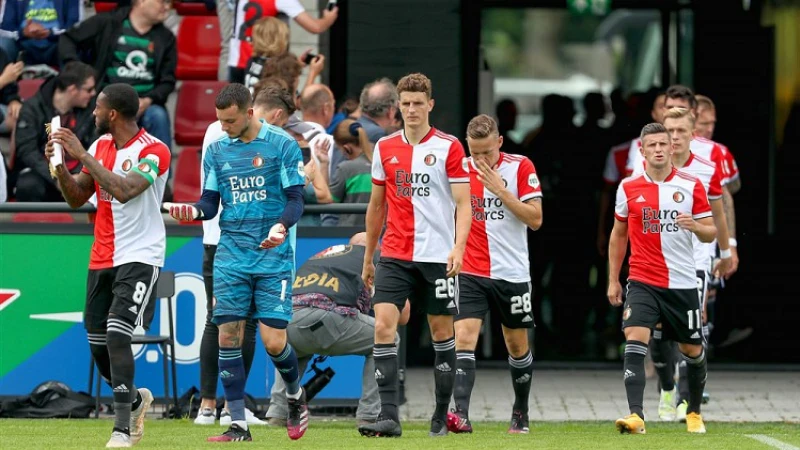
x,y
182,434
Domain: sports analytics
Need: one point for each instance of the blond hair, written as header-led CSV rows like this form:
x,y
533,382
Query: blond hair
x,y
270,37
415,82
704,102
482,126
679,113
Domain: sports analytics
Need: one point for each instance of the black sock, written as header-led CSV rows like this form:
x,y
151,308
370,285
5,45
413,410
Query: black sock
x,y
465,379
662,352
249,345
118,339
386,377
635,351
683,382
444,375
521,379
209,360
97,345
696,373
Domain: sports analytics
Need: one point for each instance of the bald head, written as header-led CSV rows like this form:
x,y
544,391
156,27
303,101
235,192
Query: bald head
x,y
379,98
359,239
315,97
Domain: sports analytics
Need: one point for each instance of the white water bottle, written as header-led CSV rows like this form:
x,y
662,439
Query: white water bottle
x,y
58,155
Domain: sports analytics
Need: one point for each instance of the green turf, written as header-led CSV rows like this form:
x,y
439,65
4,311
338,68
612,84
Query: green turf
x,y
162,434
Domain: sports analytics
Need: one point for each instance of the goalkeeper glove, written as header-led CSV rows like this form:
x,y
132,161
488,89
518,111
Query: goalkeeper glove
x,y
277,234
182,211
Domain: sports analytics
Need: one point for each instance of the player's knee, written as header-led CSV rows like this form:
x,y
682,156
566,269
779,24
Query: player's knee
x,y
517,348
441,327
467,334
690,350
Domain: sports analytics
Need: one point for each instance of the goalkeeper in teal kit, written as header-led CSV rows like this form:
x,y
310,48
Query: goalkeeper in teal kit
x,y
256,172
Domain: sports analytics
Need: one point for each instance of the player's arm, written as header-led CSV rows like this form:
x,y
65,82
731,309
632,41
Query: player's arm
x,y
77,189
734,185
703,228
460,193
730,211
456,167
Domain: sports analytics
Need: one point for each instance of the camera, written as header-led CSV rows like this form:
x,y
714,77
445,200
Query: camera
x,y
331,5
309,58
320,379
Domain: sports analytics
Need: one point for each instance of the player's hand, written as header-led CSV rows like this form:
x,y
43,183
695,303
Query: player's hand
x,y
181,211
454,261
71,144
490,178
368,275
686,222
277,234
734,263
614,293
722,266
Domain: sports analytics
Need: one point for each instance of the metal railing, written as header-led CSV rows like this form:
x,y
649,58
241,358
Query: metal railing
x,y
57,207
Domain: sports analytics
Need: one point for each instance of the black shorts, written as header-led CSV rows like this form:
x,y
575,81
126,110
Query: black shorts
x,y
208,275
425,284
127,291
678,310
702,286
511,301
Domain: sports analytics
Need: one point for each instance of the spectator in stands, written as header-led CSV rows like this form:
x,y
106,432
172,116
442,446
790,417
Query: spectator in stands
x,y
317,104
131,45
270,39
33,27
250,12
506,112
286,67
352,179
378,108
10,102
69,96
349,107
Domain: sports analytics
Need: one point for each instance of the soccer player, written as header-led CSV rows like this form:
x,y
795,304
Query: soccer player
x,y
273,105
704,128
257,174
679,122
506,200
127,168
421,184
659,211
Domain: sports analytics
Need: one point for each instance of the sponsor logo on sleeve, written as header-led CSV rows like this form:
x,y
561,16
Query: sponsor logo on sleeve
x,y
533,181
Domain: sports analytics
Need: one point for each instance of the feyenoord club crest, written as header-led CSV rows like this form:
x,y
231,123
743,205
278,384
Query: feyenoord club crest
x,y
505,182
627,314
258,161
677,197
126,166
430,159
144,167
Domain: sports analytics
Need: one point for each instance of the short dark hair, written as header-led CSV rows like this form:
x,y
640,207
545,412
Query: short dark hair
x,y
271,96
652,128
74,73
681,92
415,82
234,94
122,98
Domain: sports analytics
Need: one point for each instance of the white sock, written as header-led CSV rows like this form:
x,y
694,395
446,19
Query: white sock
x,y
294,396
241,423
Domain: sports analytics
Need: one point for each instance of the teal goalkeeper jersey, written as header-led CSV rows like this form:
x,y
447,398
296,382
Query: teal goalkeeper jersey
x,y
250,178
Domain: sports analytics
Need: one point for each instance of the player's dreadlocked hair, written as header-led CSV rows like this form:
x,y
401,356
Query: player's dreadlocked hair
x,y
234,94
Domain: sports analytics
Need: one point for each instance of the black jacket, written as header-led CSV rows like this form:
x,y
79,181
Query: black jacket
x,y
10,92
30,137
92,41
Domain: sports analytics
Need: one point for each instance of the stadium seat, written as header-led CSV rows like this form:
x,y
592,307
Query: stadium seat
x,y
186,185
101,7
31,217
29,87
165,291
192,8
195,110
198,48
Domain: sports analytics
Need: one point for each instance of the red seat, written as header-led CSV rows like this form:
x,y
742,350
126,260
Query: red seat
x,y
195,110
29,87
42,218
101,7
186,185
192,8
198,48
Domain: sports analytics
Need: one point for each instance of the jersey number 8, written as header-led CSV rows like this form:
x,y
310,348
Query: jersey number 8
x,y
139,292
521,304
445,288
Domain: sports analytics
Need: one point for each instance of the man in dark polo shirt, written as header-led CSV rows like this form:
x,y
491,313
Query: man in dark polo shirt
x,y
332,318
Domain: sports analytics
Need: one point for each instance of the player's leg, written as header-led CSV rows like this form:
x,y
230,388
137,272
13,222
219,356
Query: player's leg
x,y
394,283
683,321
663,353
683,371
273,302
133,304
639,316
209,347
440,295
513,303
233,292
472,308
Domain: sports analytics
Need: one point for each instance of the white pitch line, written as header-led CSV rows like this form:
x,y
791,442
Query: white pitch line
x,y
772,442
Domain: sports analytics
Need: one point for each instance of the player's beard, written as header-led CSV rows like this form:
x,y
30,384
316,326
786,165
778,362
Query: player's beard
x,y
102,126
241,132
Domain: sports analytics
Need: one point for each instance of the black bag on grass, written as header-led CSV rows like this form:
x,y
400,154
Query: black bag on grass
x,y
49,400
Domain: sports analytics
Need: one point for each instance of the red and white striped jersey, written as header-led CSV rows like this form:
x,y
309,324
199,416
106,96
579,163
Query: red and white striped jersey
x,y
133,231
420,226
616,167
661,252
710,151
497,246
710,175
731,168
247,13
